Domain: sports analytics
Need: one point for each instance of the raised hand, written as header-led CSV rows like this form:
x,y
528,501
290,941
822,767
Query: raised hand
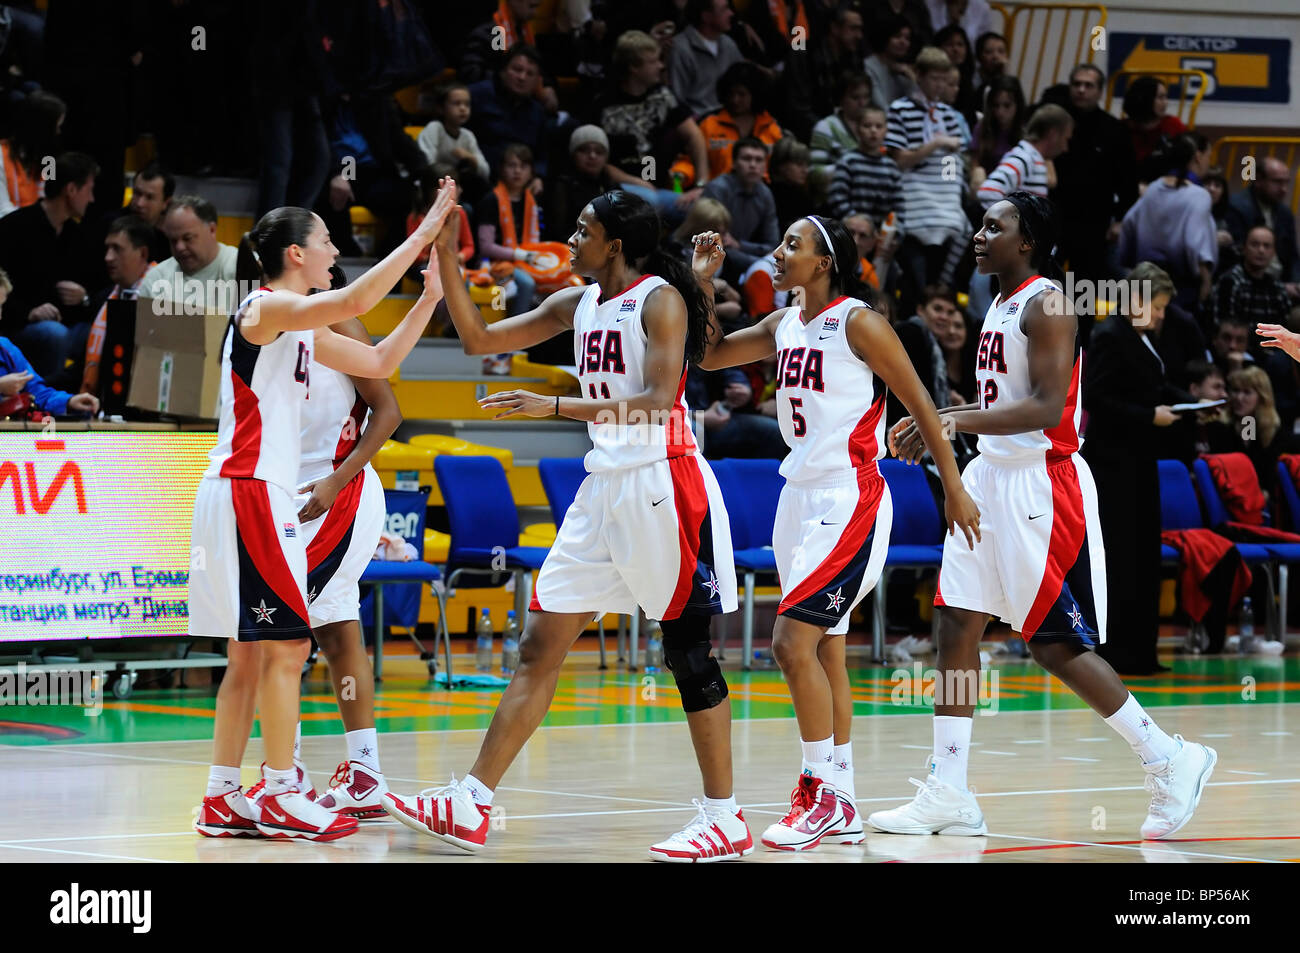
x,y
1275,335
708,255
438,211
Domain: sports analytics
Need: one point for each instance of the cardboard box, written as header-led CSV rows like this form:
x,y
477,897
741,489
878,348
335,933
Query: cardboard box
x,y
177,366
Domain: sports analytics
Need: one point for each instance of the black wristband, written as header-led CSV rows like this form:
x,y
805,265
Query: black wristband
x,y
557,405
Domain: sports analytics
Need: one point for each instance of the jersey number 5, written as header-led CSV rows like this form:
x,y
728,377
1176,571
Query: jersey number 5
x,y
800,425
304,358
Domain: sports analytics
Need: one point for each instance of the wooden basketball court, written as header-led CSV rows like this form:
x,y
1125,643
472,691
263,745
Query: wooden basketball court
x,y
612,771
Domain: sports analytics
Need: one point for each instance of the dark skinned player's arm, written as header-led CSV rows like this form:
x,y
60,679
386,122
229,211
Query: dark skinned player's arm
x,y
385,415
739,347
1051,332
875,343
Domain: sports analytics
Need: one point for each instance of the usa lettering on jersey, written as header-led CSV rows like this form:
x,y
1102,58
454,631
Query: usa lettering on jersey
x,y
991,358
800,367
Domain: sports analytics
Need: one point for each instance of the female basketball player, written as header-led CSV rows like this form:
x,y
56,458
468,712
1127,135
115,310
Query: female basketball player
x,y
249,579
647,528
1040,565
834,515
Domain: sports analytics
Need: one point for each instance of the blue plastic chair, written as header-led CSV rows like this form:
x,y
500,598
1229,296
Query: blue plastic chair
x,y
751,490
561,477
915,540
484,525
380,573
1179,509
1290,497
1283,555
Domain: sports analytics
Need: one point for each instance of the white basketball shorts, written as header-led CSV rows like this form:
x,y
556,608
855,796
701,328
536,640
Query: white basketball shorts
x,y
340,545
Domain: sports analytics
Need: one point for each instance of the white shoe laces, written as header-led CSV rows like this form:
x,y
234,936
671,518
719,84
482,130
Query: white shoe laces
x,y
450,789
1158,786
695,829
928,793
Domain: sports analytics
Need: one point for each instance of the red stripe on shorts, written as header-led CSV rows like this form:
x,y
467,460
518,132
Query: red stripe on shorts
x,y
336,521
691,500
1068,530
260,534
871,488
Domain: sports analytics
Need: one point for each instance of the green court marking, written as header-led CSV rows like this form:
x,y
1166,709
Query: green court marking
x,y
619,697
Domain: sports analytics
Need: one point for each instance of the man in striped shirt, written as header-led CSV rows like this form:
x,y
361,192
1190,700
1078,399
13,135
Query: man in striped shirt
x,y
925,139
1027,165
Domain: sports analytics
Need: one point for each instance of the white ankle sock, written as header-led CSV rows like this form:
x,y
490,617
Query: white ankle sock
x,y
722,805
1142,733
363,747
222,780
480,792
817,758
952,749
842,762
297,742
278,782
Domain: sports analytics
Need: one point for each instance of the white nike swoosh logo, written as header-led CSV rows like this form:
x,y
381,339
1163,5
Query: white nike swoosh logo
x,y
224,817
278,817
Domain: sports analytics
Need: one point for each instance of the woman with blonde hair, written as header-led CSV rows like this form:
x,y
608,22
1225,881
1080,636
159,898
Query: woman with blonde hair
x,y
1254,427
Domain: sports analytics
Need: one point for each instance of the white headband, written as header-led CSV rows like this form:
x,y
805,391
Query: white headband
x,y
829,245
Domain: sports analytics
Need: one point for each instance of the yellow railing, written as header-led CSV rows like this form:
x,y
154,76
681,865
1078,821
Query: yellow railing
x,y
1178,77
1227,153
1063,34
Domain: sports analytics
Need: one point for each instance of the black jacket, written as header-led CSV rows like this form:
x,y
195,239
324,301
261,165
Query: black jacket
x,y
1124,384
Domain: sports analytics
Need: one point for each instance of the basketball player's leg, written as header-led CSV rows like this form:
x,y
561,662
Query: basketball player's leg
x,y
831,654
350,671
236,705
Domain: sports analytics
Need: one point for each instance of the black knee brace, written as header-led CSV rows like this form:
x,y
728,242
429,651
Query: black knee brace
x,y
686,653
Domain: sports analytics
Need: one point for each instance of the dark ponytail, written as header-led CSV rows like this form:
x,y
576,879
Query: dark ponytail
x,y
1183,152
1039,227
846,272
635,222
261,251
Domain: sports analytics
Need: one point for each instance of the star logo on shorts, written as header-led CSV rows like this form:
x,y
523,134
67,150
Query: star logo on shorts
x,y
262,614
836,599
952,750
1076,618
311,596
714,587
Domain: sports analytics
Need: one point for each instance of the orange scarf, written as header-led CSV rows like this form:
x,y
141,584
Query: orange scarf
x,y
777,9
506,219
503,19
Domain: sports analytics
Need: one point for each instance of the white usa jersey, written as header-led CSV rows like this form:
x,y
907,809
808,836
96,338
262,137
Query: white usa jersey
x,y
831,410
609,344
263,389
331,423
1002,373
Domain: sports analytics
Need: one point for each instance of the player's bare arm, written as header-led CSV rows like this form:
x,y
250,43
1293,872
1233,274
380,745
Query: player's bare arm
x,y
739,347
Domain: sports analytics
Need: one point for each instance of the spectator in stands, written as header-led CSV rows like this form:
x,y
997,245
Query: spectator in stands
x,y
47,251
1264,203
1189,436
1216,183
151,190
198,260
1171,225
958,341
920,333
837,134
867,181
464,236
37,122
710,215
882,14
1247,290
877,268
1000,128
447,140
506,219
126,259
953,41
17,376
1153,130
775,24
1096,178
587,177
991,60
975,17
1254,426
1028,165
701,54
1127,400
722,402
813,69
742,91
754,231
647,127
790,164
1231,344
924,139
506,111
509,28
889,67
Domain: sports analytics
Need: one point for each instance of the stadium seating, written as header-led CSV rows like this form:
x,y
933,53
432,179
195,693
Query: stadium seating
x,y
750,490
915,541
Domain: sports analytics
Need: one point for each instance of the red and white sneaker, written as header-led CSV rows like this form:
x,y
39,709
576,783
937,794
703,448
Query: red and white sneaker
x,y
226,815
447,813
850,832
711,836
815,811
290,815
355,790
304,784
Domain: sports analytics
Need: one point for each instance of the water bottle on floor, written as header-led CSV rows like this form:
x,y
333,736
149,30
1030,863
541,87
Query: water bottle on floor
x,y
510,645
1246,627
483,648
654,649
